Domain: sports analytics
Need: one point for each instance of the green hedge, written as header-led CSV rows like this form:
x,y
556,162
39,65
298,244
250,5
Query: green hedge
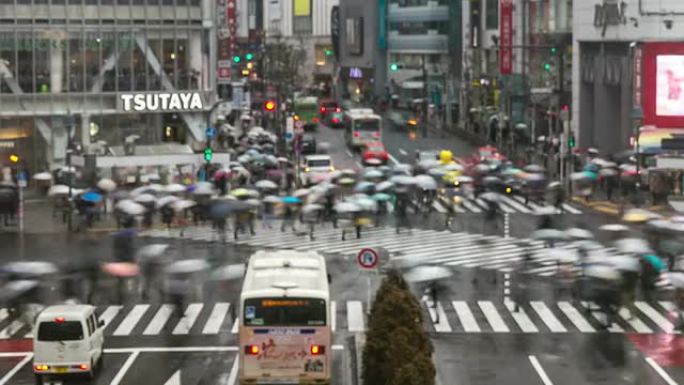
x,y
397,350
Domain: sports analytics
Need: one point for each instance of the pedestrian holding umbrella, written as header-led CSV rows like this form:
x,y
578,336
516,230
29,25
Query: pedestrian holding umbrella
x,y
289,212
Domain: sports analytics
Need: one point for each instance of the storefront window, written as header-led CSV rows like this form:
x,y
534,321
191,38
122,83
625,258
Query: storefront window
x,y
42,55
24,47
93,46
125,64
7,57
76,64
168,60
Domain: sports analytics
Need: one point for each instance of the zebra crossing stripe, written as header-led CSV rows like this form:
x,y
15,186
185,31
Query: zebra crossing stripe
x,y
437,206
634,322
438,317
444,238
495,321
480,202
575,317
333,315
132,319
10,329
108,315
236,325
518,206
656,317
547,316
520,317
465,316
571,209
614,328
355,322
470,206
3,314
216,318
189,317
505,208
159,320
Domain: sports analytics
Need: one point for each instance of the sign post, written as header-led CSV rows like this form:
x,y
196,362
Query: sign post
x,y
368,260
21,182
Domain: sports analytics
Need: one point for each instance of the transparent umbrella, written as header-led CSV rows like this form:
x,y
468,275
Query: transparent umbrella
x,y
106,184
427,274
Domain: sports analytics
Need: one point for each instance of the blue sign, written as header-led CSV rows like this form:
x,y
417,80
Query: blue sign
x,y
21,176
210,132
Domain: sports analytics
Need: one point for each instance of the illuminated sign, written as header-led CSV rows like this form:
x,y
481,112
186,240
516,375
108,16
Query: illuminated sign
x,y
355,73
284,303
162,102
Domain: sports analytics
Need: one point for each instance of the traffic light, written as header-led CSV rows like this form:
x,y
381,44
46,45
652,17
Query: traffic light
x,y
328,52
394,67
14,158
236,59
571,141
208,154
249,56
245,72
554,50
269,105
547,67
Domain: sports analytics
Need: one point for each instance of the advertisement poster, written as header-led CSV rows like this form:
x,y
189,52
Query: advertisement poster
x,y
506,36
670,85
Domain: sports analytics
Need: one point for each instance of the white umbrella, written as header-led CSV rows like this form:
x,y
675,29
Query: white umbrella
x,y
437,172
625,263
266,184
347,207
633,245
106,184
677,219
549,235
602,272
42,176
365,202
545,210
204,188
453,167
402,168
578,176
187,266
426,182
58,189
403,179
152,251
32,268
147,189
183,205
427,273
69,169
560,254
464,179
614,227
175,188
428,163
228,272
383,186
578,233
272,199
163,201
145,198
490,197
676,278
130,207
312,207
302,192
372,173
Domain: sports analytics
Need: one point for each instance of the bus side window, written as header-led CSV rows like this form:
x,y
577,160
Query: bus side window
x,y
329,278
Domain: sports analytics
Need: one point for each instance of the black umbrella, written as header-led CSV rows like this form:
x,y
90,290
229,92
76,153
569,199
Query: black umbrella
x,y
224,208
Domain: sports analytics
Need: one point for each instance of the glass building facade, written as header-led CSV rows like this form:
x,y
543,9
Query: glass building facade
x,y
65,63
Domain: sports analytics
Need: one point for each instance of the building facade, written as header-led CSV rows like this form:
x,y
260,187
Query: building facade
x,y
626,58
98,71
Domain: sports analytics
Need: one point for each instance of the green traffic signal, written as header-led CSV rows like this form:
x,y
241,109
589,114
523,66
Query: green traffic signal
x,y
554,50
328,52
249,56
236,59
571,142
547,66
394,67
208,154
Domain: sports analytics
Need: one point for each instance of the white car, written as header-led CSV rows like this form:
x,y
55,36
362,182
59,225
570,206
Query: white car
x,y
315,167
67,340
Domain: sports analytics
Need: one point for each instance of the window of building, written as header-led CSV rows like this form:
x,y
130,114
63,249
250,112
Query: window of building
x,y
76,79
301,20
492,14
354,30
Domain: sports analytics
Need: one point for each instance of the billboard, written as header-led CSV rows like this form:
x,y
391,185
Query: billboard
x,y
662,84
506,36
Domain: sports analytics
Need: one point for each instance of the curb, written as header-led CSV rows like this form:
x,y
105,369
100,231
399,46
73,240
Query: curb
x,y
612,208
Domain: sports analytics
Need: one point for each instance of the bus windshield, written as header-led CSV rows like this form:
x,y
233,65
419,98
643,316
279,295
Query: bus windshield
x,y
367,125
284,312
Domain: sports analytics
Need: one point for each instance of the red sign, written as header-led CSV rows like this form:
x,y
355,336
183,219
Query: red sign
x,y
506,37
662,83
368,258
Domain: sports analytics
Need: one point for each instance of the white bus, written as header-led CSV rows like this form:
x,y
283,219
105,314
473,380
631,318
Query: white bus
x,y
362,126
284,333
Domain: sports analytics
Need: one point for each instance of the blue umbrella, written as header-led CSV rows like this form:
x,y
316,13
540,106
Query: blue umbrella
x,y
291,200
655,261
590,175
91,196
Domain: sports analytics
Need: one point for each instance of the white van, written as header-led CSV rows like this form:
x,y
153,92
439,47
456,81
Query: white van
x,y
67,339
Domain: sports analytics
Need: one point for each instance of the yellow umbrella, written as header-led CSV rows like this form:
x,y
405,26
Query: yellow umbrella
x,y
639,216
240,192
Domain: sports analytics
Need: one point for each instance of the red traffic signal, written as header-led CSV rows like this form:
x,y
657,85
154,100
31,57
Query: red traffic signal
x,y
269,105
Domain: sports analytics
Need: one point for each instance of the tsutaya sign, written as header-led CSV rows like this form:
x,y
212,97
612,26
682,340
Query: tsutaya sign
x,y
162,102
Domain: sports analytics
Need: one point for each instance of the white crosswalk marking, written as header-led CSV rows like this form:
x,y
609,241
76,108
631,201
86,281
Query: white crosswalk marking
x,y
108,315
575,317
438,206
656,317
547,316
11,329
189,317
159,320
465,316
216,318
470,206
601,318
333,315
521,318
132,319
518,206
236,325
355,317
634,322
438,317
492,315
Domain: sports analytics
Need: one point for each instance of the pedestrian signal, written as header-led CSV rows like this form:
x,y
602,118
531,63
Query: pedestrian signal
x,y
208,154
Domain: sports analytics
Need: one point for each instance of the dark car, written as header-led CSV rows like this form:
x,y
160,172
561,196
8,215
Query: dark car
x,y
326,107
402,120
308,144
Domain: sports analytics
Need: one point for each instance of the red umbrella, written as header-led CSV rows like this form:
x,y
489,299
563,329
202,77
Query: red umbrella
x,y
121,269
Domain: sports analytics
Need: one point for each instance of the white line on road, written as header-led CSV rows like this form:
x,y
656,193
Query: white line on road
x,y
393,159
349,153
127,365
189,318
213,325
661,372
540,371
355,316
438,317
333,315
520,317
159,320
495,321
5,379
108,315
175,379
131,320
403,152
233,372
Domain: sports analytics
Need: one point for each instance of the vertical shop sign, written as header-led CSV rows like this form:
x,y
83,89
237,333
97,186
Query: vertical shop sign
x,y
506,37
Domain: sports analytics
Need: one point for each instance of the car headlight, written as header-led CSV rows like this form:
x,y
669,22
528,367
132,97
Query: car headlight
x,y
306,169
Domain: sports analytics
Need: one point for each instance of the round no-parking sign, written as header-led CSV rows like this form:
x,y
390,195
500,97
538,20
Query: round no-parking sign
x,y
368,258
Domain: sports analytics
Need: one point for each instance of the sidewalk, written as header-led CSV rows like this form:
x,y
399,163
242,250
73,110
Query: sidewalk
x,y
613,208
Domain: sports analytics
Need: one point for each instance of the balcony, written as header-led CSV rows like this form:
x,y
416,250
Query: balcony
x,y
431,12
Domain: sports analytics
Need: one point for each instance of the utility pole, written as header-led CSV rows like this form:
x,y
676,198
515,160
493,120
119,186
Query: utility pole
x,y
425,96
